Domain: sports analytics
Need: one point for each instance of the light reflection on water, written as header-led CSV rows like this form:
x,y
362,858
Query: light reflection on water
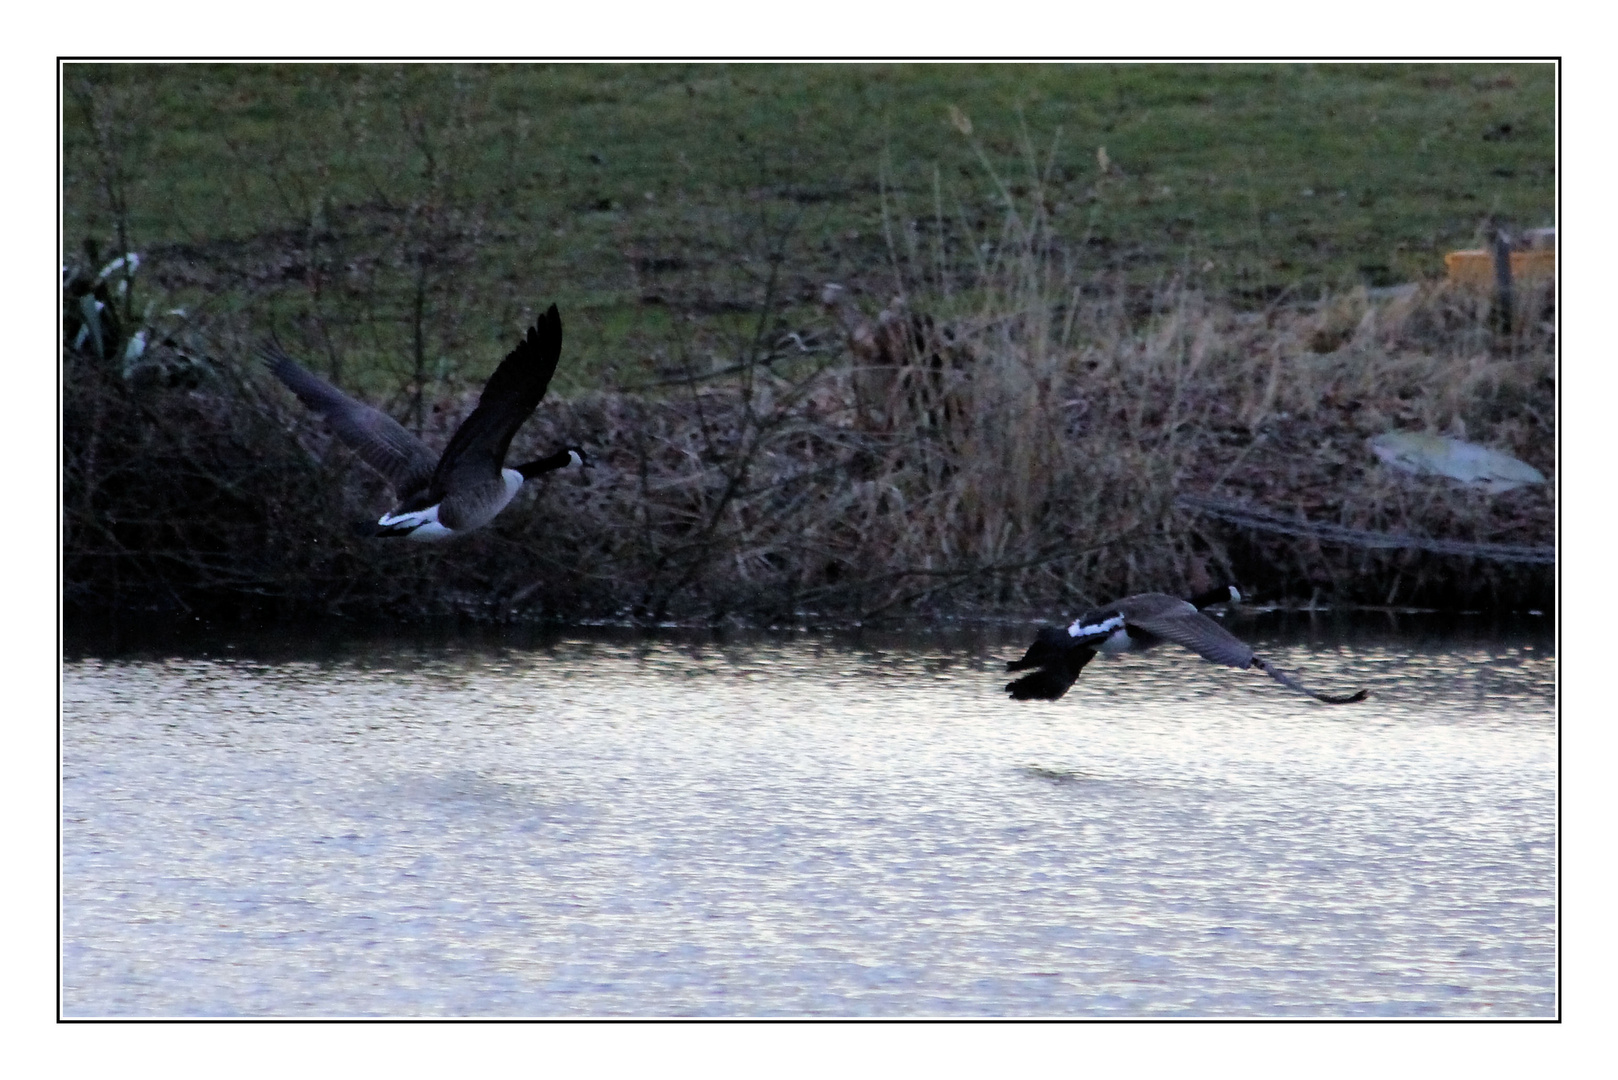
x,y
656,828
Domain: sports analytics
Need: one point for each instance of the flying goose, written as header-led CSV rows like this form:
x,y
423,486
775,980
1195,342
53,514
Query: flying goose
x,y
1140,622
445,496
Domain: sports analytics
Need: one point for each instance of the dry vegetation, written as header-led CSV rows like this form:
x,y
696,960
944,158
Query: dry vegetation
x,y
1003,435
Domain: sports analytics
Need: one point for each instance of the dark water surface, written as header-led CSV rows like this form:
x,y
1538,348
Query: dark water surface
x,y
604,823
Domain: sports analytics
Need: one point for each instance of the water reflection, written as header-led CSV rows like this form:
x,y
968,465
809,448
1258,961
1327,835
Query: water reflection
x,y
608,824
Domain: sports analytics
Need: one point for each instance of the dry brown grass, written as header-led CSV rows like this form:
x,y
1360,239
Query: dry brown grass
x,y
1003,437
1029,455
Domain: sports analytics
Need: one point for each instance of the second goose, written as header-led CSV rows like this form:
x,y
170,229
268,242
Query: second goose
x,y
441,496
1139,622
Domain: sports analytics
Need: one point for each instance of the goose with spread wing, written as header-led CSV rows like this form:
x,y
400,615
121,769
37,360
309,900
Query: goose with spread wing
x,y
440,496
1142,621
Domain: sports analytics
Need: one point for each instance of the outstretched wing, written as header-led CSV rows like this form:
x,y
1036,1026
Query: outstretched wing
x,y
478,449
1213,642
1288,681
379,440
1191,628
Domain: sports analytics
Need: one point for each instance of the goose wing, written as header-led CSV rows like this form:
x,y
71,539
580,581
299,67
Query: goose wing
x,y
477,451
1213,642
1293,684
379,440
1185,625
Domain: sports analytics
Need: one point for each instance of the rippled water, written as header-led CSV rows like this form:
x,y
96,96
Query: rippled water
x,y
782,827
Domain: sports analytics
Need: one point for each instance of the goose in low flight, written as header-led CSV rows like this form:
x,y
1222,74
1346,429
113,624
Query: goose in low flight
x,y
465,487
1140,622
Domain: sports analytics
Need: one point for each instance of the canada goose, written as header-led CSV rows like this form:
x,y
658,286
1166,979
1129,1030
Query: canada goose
x,y
468,485
1140,622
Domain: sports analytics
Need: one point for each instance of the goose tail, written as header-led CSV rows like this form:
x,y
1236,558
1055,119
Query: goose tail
x,y
1049,647
1047,684
1058,658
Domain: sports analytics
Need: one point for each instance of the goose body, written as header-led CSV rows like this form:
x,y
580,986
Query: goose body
x,y
465,487
1058,655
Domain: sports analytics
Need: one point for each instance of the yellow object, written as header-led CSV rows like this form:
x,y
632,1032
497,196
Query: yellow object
x,y
1476,267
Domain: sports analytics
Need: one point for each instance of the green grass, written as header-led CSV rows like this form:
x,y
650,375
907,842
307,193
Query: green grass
x,y
645,198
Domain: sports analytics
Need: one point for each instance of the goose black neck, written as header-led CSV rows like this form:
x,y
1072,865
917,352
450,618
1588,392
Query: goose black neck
x,y
559,460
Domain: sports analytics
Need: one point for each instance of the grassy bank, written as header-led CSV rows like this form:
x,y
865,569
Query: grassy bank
x,y
997,411
343,198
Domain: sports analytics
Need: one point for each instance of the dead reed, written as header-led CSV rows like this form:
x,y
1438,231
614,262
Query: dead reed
x,y
993,432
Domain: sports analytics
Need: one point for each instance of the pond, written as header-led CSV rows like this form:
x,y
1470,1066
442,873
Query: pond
x,y
607,823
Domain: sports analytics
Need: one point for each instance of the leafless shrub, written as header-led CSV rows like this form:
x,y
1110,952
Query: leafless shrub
x,y
1004,469
996,432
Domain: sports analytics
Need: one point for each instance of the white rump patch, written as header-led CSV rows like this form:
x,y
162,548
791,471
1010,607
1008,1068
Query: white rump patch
x,y
423,524
431,530
1079,629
